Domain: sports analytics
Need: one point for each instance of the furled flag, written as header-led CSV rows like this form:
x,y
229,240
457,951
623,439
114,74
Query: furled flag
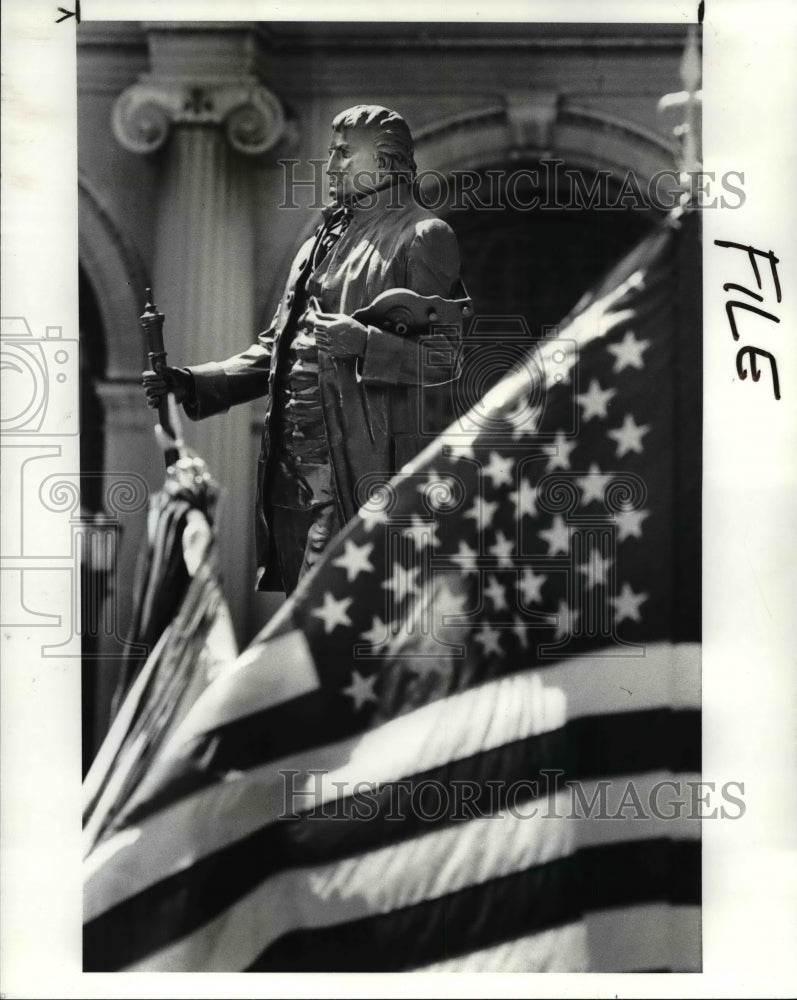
x,y
178,574
466,742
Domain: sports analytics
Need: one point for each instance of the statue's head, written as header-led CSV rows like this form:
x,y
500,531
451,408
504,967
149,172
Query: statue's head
x,y
371,148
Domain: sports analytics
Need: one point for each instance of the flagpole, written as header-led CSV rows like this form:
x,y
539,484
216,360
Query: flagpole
x,y
683,109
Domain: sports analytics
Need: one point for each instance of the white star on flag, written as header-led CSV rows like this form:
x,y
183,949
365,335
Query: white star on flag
x,y
371,515
447,605
595,401
523,418
437,488
355,560
499,470
333,613
482,512
402,582
466,557
564,445
629,524
593,484
524,499
629,436
503,549
432,479
496,593
557,536
628,353
489,639
626,604
422,532
361,689
595,569
377,635
530,586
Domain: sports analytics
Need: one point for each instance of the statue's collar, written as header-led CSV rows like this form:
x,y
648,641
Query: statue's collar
x,y
391,197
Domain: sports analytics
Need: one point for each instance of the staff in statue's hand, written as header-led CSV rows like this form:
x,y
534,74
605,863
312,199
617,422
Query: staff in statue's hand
x,y
152,322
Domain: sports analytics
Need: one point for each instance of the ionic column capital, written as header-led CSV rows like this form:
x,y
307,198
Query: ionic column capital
x,y
250,115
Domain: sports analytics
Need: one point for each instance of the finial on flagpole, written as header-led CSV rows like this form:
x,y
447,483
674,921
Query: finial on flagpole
x,y
682,110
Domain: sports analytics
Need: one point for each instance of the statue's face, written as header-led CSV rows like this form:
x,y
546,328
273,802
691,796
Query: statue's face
x,y
353,165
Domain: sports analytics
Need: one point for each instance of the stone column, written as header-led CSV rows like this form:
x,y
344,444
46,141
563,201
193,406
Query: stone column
x,y
203,111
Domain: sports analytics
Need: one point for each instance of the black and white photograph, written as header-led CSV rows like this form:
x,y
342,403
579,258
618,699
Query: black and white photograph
x,y
396,562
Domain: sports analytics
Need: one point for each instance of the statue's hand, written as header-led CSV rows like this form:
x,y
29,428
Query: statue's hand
x,y
158,384
339,335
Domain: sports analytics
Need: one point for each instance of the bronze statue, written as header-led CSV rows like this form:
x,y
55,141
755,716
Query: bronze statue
x,y
345,378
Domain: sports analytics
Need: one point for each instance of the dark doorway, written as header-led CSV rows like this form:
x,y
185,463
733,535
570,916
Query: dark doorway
x,y
538,262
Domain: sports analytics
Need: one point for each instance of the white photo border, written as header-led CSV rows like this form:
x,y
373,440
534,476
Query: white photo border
x,y
749,550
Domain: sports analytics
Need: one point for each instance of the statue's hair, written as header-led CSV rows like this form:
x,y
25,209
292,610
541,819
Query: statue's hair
x,y
391,134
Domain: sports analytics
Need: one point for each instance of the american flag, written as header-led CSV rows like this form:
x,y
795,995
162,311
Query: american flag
x,y
183,619
441,754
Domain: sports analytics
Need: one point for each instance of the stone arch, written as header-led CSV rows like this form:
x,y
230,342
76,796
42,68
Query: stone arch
x,y
534,126
118,277
537,262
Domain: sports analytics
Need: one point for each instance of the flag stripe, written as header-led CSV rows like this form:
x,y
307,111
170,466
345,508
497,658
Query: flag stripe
x,y
634,939
252,801
236,828
563,949
236,824
410,872
546,895
261,679
195,760
599,746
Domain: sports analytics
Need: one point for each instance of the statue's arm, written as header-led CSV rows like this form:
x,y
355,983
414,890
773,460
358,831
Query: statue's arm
x,y
218,385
